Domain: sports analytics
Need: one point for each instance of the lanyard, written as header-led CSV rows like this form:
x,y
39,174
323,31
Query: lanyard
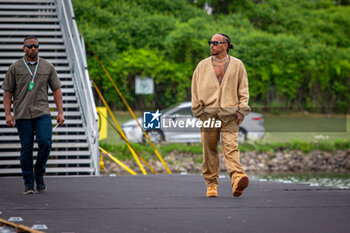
x,y
36,68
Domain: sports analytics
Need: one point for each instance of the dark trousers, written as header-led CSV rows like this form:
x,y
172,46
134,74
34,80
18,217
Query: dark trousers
x,y
42,128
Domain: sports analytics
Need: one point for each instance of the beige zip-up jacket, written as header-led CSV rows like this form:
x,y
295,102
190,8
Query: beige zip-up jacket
x,y
215,99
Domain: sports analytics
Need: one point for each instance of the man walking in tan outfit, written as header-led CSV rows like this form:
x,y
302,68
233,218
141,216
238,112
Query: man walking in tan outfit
x,y
220,91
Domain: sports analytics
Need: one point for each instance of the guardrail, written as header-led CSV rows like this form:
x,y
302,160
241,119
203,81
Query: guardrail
x,y
77,57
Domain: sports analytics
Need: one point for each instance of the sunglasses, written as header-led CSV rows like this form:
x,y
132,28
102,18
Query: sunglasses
x,y
29,46
215,43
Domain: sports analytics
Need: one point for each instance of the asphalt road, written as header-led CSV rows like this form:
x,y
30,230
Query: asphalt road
x,y
174,203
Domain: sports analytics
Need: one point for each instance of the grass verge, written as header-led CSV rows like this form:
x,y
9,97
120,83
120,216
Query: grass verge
x,y
122,152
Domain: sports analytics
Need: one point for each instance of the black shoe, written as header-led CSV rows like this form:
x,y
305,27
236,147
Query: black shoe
x,y
28,189
40,185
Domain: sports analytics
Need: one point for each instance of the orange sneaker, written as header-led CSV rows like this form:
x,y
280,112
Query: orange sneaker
x,y
239,185
212,191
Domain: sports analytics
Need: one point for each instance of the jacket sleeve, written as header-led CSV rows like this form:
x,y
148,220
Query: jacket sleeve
x,y
243,91
197,109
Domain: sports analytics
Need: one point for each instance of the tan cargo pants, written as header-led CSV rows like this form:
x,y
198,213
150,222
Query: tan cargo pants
x,y
210,141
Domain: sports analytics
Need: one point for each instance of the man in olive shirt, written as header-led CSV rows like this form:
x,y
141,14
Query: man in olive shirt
x,y
27,82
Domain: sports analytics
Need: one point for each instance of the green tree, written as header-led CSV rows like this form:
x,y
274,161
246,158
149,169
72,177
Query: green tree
x,y
296,52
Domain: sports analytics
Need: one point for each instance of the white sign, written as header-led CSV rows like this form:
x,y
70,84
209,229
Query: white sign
x,y
39,227
144,85
15,219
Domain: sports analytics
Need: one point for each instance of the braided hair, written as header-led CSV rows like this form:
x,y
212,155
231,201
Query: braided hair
x,y
228,40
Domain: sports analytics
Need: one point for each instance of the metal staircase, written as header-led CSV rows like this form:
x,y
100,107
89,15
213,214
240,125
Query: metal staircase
x,y
75,144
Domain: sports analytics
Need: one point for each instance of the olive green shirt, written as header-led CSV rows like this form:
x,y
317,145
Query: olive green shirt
x,y
28,104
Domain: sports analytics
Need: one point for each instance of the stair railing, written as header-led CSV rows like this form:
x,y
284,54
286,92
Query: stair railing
x,y
77,57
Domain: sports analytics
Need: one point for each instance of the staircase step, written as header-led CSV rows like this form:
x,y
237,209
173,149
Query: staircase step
x,y
41,40
54,137
67,122
28,13
64,83
53,105
64,90
29,26
26,7
60,129
57,138
50,161
60,76
25,33
65,76
52,170
70,113
28,20
2,114
42,47
53,61
65,98
27,1
54,145
62,68
57,68
52,153
67,83
42,54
